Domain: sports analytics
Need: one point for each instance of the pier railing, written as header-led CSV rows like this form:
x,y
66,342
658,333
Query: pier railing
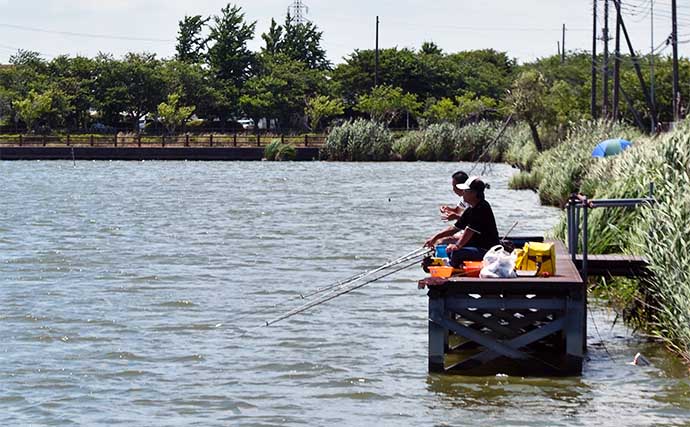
x,y
578,233
124,140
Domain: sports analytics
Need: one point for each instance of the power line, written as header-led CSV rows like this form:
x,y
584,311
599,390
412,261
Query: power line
x,y
86,35
16,49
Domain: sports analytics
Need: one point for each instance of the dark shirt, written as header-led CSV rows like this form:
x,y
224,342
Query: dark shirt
x,y
480,219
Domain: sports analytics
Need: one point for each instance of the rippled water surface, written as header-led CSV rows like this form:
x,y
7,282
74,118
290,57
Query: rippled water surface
x,y
132,294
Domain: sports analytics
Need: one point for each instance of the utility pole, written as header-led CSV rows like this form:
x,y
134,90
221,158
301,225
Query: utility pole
x,y
617,68
594,61
563,46
605,103
376,66
651,60
636,65
674,40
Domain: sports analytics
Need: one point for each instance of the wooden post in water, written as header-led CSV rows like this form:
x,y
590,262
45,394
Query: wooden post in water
x,y
210,140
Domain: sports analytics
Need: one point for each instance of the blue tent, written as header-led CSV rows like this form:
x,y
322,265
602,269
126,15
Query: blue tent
x,y
611,147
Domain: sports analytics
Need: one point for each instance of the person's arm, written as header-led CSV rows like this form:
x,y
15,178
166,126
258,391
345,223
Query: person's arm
x,y
452,214
465,239
441,234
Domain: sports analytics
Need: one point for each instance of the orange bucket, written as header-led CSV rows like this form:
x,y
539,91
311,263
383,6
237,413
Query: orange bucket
x,y
441,271
472,268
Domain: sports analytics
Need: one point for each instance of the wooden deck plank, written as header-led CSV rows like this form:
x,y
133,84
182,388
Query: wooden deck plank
x,y
615,265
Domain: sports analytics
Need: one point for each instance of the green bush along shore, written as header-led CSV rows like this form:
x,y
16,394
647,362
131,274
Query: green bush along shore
x,y
371,141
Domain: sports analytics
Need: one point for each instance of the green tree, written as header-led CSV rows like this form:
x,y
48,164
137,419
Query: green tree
x,y
322,107
527,101
262,96
302,42
228,54
298,41
273,39
191,43
192,82
173,115
76,77
385,103
443,110
33,108
134,86
278,92
470,104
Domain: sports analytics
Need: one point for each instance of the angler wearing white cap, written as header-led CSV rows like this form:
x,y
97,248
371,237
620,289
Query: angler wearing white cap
x,y
477,223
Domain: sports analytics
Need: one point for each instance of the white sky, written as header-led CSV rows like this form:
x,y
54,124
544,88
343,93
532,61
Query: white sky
x,y
526,29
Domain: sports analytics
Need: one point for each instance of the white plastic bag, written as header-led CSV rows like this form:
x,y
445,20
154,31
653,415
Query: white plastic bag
x,y
498,264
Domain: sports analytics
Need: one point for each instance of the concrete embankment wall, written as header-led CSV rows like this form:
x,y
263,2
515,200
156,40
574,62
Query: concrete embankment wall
x,y
139,153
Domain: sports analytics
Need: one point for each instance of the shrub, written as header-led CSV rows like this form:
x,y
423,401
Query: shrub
x,y
276,150
405,147
520,151
524,180
361,140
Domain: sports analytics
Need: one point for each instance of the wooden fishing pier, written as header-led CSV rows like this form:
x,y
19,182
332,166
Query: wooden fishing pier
x,y
478,325
524,326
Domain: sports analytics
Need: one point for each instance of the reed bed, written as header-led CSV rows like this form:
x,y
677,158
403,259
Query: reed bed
x,y
661,303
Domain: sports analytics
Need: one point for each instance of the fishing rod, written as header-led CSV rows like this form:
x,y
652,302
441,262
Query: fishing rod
x,y
334,295
391,263
488,147
417,253
510,230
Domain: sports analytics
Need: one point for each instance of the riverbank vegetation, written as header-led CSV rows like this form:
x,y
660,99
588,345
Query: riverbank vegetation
x,y
659,304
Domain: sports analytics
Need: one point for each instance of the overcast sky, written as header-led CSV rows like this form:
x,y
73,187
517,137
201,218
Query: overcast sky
x,y
525,29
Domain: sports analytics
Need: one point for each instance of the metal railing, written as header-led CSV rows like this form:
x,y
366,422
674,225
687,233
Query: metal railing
x,y
578,207
186,140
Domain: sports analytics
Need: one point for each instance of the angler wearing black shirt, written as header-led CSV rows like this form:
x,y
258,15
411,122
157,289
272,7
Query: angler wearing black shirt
x,y
479,225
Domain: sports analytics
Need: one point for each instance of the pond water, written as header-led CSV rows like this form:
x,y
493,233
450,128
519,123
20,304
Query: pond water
x,y
133,294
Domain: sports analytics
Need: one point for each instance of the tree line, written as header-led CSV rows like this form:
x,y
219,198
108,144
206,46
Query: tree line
x,y
214,79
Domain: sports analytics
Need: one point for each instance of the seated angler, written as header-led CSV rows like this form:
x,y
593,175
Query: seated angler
x,y
477,223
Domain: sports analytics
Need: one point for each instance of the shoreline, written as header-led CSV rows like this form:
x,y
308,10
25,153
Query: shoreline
x,y
148,153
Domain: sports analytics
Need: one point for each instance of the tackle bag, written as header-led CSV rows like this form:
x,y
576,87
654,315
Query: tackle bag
x,y
539,257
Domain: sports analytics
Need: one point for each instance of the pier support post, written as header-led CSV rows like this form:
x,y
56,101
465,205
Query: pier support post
x,y
438,335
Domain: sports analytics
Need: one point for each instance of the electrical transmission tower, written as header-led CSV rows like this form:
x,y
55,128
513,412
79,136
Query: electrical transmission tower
x,y
298,11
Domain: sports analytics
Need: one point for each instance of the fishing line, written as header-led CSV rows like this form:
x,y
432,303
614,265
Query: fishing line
x,y
603,344
333,295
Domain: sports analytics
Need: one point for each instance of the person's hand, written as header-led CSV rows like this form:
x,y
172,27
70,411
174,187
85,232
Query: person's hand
x,y
429,243
450,216
452,248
